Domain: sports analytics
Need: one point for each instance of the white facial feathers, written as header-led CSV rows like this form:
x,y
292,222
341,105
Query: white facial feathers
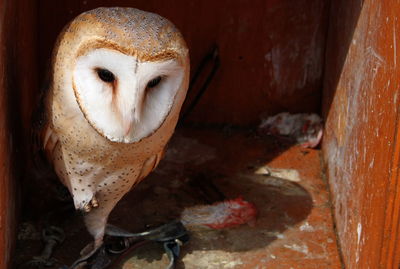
x,y
115,96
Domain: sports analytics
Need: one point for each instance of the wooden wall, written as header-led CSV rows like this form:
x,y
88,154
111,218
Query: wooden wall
x,y
361,145
271,50
18,82
6,196
271,60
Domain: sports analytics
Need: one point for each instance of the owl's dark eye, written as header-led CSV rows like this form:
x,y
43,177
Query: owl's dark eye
x,y
105,75
154,82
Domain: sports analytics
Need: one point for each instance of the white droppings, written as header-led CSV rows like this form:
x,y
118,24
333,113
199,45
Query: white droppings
x,y
275,234
371,51
306,227
394,47
285,186
288,174
371,164
212,259
273,256
232,264
280,236
299,248
359,231
263,170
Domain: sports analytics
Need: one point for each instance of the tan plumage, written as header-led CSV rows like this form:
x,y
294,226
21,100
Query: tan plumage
x,y
97,161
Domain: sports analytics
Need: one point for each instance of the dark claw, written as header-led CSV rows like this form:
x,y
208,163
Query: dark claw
x,y
96,259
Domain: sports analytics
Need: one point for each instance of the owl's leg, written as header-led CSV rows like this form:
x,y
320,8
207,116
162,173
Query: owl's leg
x,y
96,221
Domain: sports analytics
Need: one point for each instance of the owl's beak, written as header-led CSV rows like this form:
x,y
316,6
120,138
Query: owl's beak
x,y
131,114
127,125
128,119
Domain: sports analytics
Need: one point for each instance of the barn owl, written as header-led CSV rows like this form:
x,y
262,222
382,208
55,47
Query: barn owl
x,y
118,79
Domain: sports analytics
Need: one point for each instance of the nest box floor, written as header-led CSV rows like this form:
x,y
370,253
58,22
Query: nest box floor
x,y
294,228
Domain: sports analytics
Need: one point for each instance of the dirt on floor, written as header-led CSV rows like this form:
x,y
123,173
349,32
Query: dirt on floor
x,y
202,166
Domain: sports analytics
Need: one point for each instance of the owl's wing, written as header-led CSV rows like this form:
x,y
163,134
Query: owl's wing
x,y
43,138
150,164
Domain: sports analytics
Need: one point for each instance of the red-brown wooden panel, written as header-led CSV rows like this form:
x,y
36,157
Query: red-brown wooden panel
x,y
271,50
361,146
17,85
6,220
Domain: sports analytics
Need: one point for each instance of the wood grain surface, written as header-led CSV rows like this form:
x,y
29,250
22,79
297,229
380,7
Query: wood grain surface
x,y
18,84
271,51
361,145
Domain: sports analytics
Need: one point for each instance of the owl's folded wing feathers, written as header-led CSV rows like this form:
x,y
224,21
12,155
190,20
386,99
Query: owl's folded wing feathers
x,y
43,138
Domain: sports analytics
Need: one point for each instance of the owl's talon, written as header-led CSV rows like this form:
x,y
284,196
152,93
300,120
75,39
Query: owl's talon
x,y
88,253
87,208
94,202
87,249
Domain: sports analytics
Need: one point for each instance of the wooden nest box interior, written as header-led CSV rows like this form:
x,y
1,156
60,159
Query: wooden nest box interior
x,y
333,206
